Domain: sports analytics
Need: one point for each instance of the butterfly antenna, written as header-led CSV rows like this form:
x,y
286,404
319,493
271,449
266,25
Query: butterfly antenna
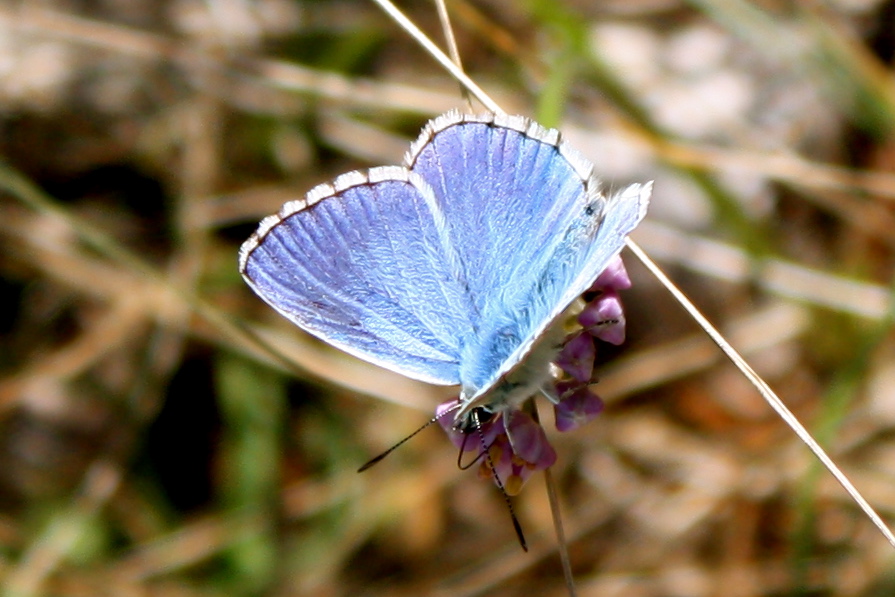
x,y
468,466
376,459
460,464
503,491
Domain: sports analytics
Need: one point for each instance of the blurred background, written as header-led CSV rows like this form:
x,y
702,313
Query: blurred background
x,y
149,445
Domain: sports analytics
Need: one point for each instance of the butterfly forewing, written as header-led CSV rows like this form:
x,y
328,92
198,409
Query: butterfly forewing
x,y
364,265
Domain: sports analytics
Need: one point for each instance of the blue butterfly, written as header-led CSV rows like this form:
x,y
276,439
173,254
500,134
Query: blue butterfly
x,y
451,268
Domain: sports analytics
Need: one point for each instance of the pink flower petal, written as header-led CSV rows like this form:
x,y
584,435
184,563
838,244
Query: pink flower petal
x,y
579,407
529,441
512,470
577,356
604,318
615,276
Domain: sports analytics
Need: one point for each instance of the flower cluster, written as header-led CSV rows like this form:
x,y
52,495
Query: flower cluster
x,y
517,445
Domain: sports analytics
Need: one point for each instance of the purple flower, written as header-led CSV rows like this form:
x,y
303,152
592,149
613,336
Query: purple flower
x,y
516,455
516,444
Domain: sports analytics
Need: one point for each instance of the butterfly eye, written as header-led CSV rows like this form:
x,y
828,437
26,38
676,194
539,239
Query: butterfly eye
x,y
474,421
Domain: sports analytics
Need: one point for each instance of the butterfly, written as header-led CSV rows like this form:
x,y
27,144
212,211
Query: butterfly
x,y
452,268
